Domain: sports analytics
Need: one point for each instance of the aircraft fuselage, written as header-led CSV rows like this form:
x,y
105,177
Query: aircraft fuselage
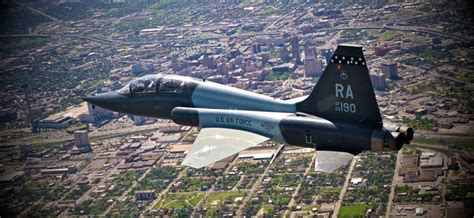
x,y
341,113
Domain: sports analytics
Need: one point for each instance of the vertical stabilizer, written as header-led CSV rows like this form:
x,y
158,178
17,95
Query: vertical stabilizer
x,y
344,92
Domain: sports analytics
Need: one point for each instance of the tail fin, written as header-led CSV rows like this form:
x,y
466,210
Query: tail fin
x,y
344,92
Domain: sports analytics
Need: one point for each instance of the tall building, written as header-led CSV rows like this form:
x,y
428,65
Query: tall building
x,y
81,137
222,69
25,150
265,57
208,61
175,66
312,66
283,54
295,48
256,48
81,140
378,81
389,69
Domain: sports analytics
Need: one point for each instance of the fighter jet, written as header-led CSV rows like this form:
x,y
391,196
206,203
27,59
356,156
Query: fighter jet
x,y
341,113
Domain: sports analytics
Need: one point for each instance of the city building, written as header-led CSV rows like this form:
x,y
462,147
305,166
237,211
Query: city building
x,y
59,171
81,140
258,153
138,120
283,52
256,48
25,150
389,69
432,162
309,51
145,195
295,48
378,81
175,65
312,66
7,115
96,114
54,122
208,60
81,137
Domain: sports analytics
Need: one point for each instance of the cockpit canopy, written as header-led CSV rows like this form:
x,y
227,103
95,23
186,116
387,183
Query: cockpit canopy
x,y
153,84
146,84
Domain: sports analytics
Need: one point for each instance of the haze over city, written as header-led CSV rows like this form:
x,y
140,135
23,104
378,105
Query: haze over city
x,y
61,156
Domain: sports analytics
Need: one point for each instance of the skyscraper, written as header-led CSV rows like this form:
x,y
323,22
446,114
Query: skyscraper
x,y
256,48
389,69
295,48
283,54
81,140
312,66
378,81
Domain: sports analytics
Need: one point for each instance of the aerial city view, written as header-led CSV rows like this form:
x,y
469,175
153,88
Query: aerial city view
x,y
236,108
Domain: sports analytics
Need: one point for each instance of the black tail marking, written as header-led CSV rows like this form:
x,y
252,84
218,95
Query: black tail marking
x,y
344,92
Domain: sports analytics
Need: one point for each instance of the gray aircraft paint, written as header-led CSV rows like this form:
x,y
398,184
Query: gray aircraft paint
x,y
340,114
214,95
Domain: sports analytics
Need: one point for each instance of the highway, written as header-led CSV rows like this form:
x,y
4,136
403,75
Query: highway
x,y
430,31
344,188
93,135
38,12
394,183
104,40
257,183
297,190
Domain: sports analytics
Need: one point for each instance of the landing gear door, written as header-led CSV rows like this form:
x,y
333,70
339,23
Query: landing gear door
x,y
308,138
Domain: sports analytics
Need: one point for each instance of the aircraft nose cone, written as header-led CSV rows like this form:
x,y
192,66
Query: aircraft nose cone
x,y
96,99
111,101
89,99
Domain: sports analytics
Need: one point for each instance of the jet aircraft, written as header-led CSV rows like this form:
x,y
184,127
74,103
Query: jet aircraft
x,y
340,114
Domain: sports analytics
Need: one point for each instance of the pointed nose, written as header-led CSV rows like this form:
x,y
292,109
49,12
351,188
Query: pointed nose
x,y
110,101
99,99
89,99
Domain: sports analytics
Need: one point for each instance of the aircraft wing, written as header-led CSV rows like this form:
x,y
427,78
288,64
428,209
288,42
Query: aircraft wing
x,y
214,144
329,161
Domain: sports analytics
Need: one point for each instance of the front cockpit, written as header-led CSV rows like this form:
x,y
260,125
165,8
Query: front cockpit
x,y
151,84
150,95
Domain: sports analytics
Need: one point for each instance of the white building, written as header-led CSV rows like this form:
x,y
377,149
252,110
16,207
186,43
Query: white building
x,y
81,138
96,114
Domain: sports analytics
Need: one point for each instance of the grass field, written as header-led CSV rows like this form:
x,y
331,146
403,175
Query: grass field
x,y
389,35
355,210
268,208
335,189
221,196
179,200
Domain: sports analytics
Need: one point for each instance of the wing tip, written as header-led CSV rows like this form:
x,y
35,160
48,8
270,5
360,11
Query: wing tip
x,y
190,164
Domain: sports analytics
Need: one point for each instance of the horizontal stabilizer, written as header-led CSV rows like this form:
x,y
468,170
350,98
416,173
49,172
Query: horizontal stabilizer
x,y
214,144
328,161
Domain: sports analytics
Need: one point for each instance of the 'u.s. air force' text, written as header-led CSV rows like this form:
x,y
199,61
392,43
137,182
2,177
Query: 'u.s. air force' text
x,y
344,92
232,120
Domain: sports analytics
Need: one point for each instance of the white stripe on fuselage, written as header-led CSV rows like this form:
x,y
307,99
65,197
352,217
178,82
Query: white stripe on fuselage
x,y
263,123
